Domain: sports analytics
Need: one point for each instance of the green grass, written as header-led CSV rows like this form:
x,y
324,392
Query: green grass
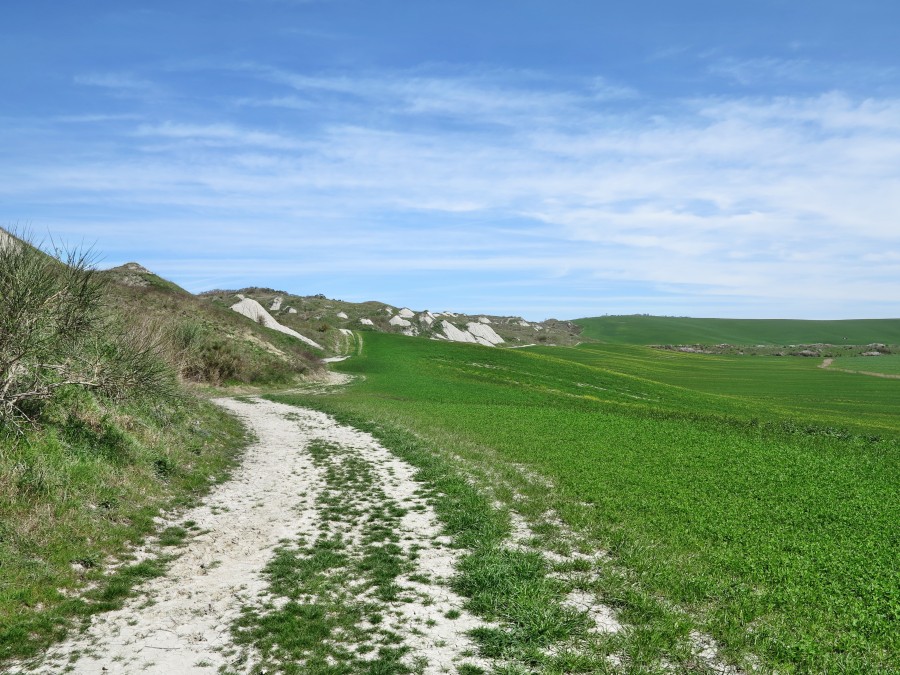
x,y
729,492
758,387
77,492
514,588
647,330
886,364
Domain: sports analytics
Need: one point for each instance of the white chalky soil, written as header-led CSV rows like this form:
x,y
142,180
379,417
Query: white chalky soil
x,y
181,622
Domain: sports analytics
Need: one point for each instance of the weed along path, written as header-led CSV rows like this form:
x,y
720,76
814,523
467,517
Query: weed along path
x,y
322,553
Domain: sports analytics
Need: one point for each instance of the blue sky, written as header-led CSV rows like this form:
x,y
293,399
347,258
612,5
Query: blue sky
x,y
566,158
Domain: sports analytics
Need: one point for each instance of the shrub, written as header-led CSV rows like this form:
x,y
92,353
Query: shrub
x,y
55,332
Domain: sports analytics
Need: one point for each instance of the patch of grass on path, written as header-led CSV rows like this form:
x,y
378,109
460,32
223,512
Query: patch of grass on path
x,y
328,597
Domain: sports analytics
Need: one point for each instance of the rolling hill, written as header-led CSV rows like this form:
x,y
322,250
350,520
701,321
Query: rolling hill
x,y
666,330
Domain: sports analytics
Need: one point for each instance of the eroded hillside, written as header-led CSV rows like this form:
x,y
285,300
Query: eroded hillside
x,y
328,322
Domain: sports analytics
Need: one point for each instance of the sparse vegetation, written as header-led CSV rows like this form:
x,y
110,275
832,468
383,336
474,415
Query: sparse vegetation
x,y
205,341
325,318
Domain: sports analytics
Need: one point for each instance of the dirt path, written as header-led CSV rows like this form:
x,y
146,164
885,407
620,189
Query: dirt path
x,y
303,464
827,364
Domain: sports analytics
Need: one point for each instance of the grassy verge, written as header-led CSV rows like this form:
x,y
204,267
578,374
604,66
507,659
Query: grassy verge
x,y
77,492
777,541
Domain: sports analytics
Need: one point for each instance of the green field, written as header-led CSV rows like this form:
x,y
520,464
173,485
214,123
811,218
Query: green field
x,y
759,495
649,330
886,364
753,387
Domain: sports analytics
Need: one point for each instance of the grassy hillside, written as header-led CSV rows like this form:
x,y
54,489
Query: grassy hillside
x,y
207,342
659,330
756,513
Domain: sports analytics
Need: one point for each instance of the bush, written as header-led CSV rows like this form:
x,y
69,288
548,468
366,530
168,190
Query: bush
x,y
55,332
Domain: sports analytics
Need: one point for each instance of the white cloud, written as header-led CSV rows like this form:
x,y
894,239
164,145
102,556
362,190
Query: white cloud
x,y
488,95
217,134
124,83
750,71
492,172
767,70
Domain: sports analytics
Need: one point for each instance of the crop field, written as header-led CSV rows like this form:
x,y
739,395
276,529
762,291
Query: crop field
x,y
647,330
887,365
755,387
758,496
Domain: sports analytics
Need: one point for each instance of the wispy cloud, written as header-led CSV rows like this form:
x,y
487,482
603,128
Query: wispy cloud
x,y
485,95
795,71
751,71
125,83
785,203
97,118
216,135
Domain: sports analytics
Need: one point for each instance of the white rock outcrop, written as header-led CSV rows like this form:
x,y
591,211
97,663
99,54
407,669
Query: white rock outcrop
x,y
454,334
399,321
276,304
484,332
256,312
477,333
426,317
366,322
406,313
483,319
342,315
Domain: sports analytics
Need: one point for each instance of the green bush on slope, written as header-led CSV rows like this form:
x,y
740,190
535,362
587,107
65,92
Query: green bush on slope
x,y
55,333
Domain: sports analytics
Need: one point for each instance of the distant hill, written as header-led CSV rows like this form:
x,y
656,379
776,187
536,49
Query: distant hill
x,y
662,330
330,322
